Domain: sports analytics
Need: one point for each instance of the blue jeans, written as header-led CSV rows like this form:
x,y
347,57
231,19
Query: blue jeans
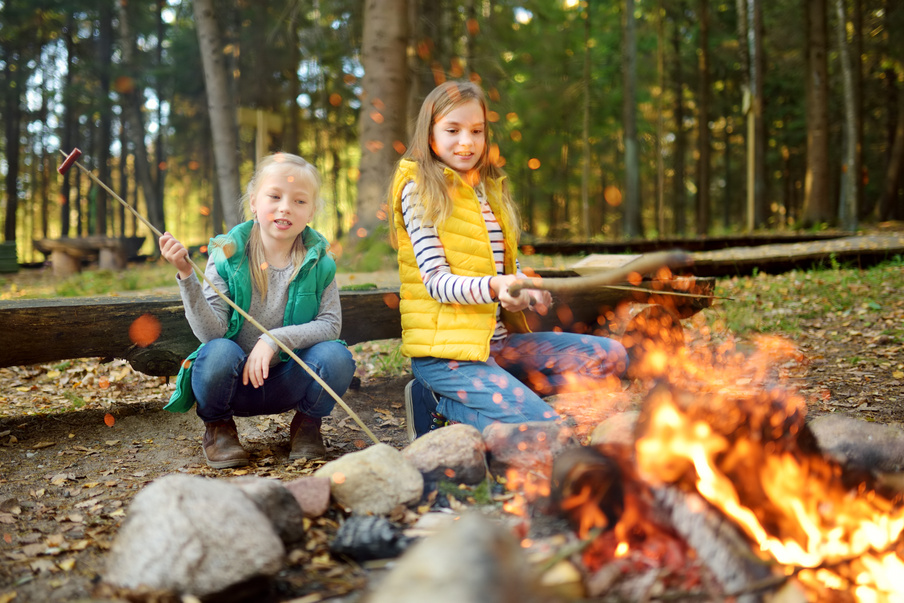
x,y
216,380
507,387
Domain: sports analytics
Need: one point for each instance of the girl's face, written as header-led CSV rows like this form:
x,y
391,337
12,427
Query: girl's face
x,y
459,138
284,204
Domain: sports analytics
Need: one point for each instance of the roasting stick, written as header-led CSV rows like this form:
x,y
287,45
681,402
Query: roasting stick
x,y
642,265
72,159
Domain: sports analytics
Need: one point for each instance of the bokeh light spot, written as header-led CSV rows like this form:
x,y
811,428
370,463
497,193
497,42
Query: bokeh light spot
x,y
391,300
612,195
144,330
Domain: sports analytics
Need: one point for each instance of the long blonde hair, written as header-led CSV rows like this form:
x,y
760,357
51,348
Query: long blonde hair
x,y
433,199
290,165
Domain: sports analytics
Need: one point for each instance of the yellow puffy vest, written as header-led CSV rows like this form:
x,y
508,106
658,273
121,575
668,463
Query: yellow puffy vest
x,y
452,331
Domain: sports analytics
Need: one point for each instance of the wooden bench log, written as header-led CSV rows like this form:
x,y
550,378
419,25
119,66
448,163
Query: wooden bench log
x,y
67,254
50,330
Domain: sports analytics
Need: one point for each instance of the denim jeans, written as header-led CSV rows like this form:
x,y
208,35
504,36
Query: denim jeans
x,y
522,367
216,380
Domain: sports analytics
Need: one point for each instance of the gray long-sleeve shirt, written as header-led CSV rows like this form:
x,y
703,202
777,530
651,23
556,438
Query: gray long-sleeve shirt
x,y
208,314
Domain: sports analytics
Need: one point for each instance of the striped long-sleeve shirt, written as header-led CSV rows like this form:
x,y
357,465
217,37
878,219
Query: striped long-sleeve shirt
x,y
441,284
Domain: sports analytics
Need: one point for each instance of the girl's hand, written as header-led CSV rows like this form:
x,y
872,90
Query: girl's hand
x,y
257,366
516,303
176,254
534,299
540,300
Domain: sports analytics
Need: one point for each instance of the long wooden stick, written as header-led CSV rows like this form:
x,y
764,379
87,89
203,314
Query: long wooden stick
x,y
235,307
643,265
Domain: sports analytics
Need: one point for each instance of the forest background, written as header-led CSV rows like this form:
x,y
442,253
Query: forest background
x,y
614,120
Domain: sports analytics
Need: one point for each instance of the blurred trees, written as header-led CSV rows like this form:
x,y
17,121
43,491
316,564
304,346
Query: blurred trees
x,y
739,123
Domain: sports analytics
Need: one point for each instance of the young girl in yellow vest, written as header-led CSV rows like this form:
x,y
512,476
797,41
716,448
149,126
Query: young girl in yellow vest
x,y
277,269
456,228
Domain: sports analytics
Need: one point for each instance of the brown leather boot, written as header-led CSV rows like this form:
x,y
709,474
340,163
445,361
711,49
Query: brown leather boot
x,y
221,445
304,435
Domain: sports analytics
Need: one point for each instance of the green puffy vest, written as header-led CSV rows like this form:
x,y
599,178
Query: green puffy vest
x,y
305,291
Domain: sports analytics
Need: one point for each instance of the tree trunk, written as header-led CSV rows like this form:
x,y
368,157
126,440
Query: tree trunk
x,y
817,203
585,134
758,67
889,203
847,207
222,109
703,137
68,127
660,119
383,102
105,62
894,170
160,147
857,66
679,188
124,180
633,220
131,106
423,24
744,52
12,125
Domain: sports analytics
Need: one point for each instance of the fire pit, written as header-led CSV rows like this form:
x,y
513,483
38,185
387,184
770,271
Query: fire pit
x,y
724,492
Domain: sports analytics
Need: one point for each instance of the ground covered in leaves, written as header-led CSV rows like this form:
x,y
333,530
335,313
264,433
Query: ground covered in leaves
x,y
80,438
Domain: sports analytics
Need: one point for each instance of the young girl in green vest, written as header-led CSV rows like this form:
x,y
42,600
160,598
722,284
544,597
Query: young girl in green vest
x,y
277,269
456,228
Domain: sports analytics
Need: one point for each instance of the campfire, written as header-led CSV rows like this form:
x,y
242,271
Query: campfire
x,y
725,480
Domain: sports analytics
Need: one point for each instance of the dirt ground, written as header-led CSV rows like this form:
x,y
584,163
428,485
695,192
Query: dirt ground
x,y
78,440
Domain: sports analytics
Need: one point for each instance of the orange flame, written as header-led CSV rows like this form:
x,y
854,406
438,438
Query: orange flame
x,y
737,444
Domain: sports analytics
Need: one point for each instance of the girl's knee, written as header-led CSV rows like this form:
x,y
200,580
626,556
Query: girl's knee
x,y
221,350
218,357
337,359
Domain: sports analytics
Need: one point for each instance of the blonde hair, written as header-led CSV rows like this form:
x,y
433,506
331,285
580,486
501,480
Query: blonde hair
x,y
433,199
290,165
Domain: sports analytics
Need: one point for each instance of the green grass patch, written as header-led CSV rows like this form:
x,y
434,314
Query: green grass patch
x,y
76,400
91,282
775,304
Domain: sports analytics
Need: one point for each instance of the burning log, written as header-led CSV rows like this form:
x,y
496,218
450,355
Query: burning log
x,y
597,488
587,489
716,541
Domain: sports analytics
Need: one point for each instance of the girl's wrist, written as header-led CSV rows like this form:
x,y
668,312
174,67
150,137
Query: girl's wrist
x,y
494,293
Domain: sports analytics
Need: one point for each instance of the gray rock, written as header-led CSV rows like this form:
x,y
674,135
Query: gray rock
x,y
277,503
860,444
312,494
617,429
456,453
192,535
374,480
474,559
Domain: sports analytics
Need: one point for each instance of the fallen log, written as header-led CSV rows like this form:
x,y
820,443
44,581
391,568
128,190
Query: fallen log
x,y
49,330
